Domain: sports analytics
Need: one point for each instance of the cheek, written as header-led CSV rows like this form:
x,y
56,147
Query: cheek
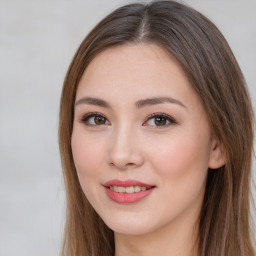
x,y
183,158
88,159
182,166
86,154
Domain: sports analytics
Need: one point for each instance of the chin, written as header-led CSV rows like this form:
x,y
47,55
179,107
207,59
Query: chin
x,y
129,230
128,226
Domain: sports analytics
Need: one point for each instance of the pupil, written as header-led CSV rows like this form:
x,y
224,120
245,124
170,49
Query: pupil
x,y
99,120
160,121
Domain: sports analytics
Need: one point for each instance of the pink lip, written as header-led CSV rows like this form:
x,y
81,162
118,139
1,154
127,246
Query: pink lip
x,y
127,198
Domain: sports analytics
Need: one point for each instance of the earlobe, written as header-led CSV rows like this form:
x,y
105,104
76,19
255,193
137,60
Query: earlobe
x,y
217,155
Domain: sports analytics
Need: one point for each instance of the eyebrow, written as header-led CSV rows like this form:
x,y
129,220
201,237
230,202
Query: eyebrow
x,y
93,101
138,104
158,100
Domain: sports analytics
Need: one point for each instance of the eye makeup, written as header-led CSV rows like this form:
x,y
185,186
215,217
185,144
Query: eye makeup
x,y
159,120
98,119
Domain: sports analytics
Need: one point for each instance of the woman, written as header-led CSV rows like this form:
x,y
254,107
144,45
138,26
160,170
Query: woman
x,y
156,138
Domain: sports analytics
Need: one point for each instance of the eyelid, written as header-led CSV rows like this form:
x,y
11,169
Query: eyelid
x,y
85,117
170,119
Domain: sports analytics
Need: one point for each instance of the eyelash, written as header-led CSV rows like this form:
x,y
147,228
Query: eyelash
x,y
86,117
162,115
169,119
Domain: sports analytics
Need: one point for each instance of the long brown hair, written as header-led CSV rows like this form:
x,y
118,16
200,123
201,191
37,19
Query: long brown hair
x,y
207,60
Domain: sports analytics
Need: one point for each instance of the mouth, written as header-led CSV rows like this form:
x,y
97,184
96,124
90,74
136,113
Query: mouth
x,y
129,191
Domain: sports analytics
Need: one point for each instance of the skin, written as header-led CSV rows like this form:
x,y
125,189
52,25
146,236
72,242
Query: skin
x,y
126,144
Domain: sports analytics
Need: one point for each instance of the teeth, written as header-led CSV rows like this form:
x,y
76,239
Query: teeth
x,y
121,189
129,190
137,189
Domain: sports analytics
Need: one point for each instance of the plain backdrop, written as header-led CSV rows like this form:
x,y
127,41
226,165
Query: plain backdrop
x,y
37,41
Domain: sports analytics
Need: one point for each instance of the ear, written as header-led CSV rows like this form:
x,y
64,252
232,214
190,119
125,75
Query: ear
x,y
217,155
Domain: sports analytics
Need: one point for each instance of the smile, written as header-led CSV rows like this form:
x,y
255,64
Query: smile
x,y
129,191
132,189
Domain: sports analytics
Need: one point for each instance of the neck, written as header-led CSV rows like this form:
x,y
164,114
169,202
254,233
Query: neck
x,y
176,239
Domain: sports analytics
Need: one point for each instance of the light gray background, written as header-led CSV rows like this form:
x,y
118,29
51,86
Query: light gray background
x,y
37,41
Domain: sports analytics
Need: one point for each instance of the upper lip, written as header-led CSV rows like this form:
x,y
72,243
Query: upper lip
x,y
127,183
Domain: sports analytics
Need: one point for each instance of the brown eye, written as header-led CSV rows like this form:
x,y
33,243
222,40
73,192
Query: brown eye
x,y
160,120
99,120
93,119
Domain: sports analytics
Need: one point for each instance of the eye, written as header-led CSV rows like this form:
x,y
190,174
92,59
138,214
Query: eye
x,y
160,120
94,119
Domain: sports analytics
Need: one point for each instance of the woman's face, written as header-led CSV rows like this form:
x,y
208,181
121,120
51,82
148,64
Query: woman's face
x,y
141,142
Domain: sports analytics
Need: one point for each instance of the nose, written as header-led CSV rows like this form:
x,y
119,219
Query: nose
x,y
125,150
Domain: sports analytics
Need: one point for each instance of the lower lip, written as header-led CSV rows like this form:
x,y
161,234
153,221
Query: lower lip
x,y
127,198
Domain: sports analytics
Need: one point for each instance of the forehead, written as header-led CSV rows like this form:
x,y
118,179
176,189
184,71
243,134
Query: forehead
x,y
139,70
